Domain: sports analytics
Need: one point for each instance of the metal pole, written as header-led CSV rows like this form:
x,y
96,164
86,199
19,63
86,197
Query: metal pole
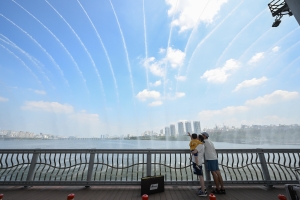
x,y
32,167
149,163
264,168
91,166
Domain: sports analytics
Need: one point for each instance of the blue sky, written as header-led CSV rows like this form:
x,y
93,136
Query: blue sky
x,y
90,68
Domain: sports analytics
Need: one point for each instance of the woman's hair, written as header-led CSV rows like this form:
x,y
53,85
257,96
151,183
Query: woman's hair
x,y
201,138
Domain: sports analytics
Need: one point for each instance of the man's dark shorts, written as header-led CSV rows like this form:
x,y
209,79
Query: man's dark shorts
x,y
212,165
198,171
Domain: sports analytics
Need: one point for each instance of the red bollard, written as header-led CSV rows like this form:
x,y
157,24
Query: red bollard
x,y
282,197
71,196
1,196
212,197
145,197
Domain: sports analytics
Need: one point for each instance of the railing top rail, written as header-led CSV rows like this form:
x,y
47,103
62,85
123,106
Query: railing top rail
x,y
143,151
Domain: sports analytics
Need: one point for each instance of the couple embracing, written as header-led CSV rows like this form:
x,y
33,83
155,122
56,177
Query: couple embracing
x,y
200,145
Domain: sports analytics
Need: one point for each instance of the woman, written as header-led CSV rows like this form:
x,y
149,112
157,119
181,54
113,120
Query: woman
x,y
198,166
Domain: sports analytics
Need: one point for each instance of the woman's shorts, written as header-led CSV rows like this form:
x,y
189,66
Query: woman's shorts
x,y
198,171
212,165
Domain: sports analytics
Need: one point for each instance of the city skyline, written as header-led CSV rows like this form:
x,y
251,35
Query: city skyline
x,y
124,67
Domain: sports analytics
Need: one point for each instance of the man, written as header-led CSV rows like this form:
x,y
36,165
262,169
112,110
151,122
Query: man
x,y
212,164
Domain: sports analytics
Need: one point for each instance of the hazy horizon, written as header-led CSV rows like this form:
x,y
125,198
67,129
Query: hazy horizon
x,y
81,68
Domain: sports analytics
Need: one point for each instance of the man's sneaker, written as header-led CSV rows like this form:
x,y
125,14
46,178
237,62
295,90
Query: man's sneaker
x,y
202,194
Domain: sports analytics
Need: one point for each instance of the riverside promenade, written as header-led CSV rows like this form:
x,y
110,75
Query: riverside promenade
x,y
111,192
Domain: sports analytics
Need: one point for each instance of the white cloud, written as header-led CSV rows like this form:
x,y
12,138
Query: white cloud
x,y
147,94
154,67
250,83
256,58
156,83
275,97
155,103
2,99
54,107
85,118
275,49
175,57
180,78
41,92
250,113
220,75
179,94
230,110
187,12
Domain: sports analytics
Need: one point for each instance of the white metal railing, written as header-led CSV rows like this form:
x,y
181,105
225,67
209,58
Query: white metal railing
x,y
88,167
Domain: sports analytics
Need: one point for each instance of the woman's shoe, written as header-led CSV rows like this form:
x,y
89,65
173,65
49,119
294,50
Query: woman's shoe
x,y
223,191
216,191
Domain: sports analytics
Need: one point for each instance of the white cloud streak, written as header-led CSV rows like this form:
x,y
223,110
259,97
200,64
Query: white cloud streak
x,y
275,49
125,47
155,103
275,97
256,58
255,111
44,50
156,83
53,107
250,83
3,99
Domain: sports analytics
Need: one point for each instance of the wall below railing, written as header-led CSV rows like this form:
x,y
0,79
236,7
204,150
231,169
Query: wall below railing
x,y
89,167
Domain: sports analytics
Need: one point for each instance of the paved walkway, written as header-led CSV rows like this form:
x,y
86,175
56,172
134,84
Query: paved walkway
x,y
134,192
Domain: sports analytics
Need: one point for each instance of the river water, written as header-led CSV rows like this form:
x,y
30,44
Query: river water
x,y
125,144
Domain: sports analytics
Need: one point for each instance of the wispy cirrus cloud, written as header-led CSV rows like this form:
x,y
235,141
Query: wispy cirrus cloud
x,y
275,49
220,75
156,83
250,83
41,92
188,15
3,99
248,113
180,78
275,97
155,103
54,107
148,94
256,58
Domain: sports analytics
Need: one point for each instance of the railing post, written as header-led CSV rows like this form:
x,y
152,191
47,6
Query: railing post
x,y
91,166
32,166
149,163
264,167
